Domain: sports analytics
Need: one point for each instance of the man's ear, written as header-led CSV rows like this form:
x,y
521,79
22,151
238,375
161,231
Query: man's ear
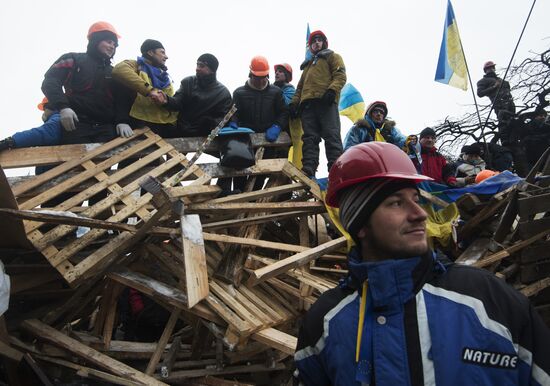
x,y
362,232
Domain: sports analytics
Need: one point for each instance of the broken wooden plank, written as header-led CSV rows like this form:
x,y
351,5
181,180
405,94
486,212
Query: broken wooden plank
x,y
49,334
194,259
536,287
237,208
297,260
163,341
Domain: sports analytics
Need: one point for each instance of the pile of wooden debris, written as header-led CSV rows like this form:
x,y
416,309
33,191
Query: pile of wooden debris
x,y
143,274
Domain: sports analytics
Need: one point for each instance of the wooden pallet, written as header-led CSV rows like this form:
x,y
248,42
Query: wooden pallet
x,y
72,260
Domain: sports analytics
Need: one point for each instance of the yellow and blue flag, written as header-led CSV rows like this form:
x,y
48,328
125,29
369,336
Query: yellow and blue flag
x,y
451,67
351,103
308,52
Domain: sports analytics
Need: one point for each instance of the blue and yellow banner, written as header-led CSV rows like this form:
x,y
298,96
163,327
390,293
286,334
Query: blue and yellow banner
x,y
451,67
351,103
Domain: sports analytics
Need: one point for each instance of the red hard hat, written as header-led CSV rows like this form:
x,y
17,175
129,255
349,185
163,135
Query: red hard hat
x,y
369,160
102,26
259,66
488,64
288,69
317,33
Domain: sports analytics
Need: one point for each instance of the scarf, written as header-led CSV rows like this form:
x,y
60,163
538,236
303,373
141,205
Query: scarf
x,y
159,78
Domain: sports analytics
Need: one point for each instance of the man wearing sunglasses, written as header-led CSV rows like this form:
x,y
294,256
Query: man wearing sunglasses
x,y
316,101
374,127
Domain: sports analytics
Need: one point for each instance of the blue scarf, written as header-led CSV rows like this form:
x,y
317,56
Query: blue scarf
x,y
159,78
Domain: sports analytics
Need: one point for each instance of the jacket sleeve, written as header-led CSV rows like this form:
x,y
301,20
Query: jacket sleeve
x,y
124,98
485,87
398,137
288,93
54,80
353,137
127,73
338,72
181,97
447,172
536,339
281,111
310,369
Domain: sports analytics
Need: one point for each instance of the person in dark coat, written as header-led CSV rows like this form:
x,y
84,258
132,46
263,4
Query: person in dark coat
x,y
202,101
260,107
489,85
79,86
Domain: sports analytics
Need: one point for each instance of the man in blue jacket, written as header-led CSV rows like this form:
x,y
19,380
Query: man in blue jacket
x,y
374,127
403,316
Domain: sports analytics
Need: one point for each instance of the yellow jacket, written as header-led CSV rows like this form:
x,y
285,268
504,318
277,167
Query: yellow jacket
x,y
130,75
324,71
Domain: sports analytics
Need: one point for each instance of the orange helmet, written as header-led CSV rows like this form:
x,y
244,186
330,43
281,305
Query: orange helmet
x,y
369,160
102,26
259,66
288,69
484,174
40,106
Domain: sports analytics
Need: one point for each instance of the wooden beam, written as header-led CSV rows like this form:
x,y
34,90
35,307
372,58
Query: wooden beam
x,y
276,339
208,208
194,259
49,334
302,258
46,155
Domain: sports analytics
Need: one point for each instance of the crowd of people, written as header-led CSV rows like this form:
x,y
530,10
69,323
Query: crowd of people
x,y
404,314
89,100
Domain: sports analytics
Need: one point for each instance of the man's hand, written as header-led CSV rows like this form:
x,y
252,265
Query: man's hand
x,y
68,119
329,97
158,97
272,133
470,180
124,130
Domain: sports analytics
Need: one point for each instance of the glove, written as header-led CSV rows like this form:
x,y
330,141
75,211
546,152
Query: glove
x,y
272,133
124,130
329,97
293,110
233,125
68,119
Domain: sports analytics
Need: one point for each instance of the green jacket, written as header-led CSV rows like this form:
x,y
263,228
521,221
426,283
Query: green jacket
x,y
323,71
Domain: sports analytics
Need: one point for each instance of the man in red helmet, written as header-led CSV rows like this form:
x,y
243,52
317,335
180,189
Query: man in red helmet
x,y
79,86
316,101
404,316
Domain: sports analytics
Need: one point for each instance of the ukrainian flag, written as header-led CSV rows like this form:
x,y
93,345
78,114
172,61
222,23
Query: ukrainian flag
x,y
351,103
451,67
308,52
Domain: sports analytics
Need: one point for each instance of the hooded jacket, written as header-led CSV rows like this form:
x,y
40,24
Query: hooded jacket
x,y
86,78
322,72
488,86
425,323
364,131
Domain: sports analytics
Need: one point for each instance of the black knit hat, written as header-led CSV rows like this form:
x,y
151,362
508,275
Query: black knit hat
x,y
473,149
428,131
210,60
150,44
359,201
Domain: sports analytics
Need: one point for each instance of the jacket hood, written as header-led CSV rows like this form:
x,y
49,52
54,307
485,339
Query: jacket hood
x,y
368,123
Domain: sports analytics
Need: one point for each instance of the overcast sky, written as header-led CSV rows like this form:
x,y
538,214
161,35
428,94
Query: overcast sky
x,y
390,47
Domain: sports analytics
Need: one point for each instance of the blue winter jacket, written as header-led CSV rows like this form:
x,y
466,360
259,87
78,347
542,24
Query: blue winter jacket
x,y
425,324
288,91
363,131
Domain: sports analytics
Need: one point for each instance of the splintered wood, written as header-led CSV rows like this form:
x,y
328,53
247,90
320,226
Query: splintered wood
x,y
128,236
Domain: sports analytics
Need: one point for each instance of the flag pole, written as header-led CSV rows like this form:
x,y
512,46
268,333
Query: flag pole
x,y
471,85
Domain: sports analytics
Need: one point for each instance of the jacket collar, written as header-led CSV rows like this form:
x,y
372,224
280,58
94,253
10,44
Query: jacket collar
x,y
391,283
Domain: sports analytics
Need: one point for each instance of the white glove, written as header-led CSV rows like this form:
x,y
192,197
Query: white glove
x,y
68,119
124,130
